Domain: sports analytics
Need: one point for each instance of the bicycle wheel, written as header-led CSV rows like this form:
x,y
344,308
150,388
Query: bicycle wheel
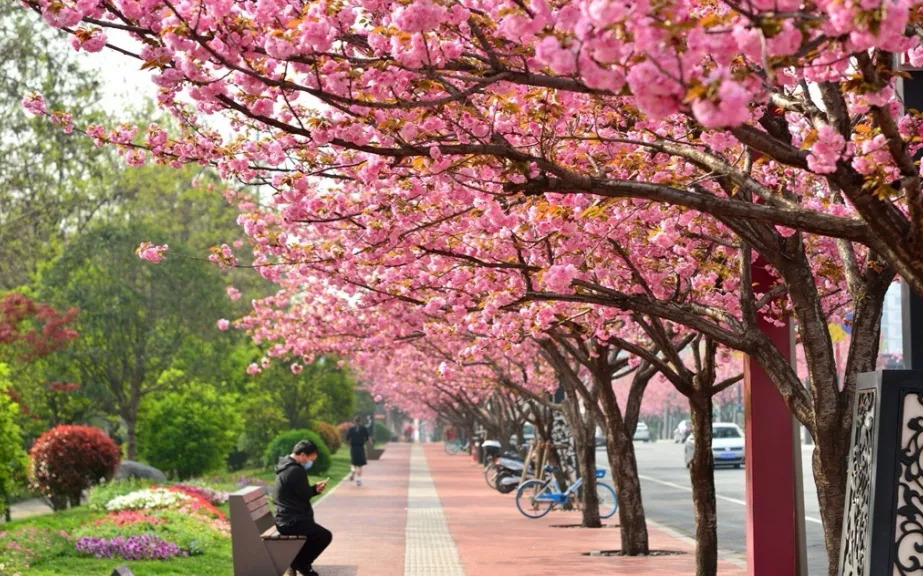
x,y
608,502
451,448
490,474
526,499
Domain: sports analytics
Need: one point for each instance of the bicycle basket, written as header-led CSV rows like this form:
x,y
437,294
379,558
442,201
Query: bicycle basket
x,y
600,473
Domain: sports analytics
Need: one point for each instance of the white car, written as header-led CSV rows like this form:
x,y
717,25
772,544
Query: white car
x,y
727,445
642,433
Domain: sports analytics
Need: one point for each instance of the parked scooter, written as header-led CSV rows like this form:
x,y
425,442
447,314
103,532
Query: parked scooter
x,y
509,472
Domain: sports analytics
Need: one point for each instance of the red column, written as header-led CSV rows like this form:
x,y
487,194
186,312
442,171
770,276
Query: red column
x,y
771,533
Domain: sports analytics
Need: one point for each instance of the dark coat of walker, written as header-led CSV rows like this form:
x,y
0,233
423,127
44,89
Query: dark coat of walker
x,y
357,436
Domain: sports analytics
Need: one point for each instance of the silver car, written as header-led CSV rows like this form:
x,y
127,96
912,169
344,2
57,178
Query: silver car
x,y
727,445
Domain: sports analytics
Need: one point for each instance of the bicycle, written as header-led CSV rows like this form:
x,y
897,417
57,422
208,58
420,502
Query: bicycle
x,y
452,447
535,498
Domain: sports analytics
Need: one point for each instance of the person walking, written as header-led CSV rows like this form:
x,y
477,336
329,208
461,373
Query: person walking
x,y
294,514
357,436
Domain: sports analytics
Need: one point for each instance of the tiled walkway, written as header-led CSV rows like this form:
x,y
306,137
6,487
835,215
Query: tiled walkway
x,y
421,512
430,550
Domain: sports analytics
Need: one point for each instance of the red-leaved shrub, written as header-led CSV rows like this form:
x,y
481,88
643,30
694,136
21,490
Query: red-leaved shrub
x,y
343,428
330,435
67,460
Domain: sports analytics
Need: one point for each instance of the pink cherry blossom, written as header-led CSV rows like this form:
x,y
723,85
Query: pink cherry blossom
x,y
151,252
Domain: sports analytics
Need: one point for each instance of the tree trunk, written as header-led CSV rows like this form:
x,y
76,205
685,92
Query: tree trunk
x,y
702,475
583,428
132,437
628,490
585,444
829,462
624,467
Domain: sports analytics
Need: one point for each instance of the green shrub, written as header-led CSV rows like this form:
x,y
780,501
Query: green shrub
x,y
329,435
382,433
283,443
263,421
11,452
187,434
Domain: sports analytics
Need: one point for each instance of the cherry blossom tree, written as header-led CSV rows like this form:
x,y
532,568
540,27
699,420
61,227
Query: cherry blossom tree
x,y
397,122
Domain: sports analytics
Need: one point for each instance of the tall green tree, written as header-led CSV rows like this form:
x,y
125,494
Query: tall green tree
x,y
323,391
50,182
137,319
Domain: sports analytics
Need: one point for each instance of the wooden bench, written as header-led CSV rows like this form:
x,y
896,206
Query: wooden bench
x,y
258,548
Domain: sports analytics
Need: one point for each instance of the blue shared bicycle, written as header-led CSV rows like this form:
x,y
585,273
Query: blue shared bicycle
x,y
535,498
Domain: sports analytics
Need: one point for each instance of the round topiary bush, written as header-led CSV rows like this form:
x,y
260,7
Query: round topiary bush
x,y
67,460
382,433
329,435
282,445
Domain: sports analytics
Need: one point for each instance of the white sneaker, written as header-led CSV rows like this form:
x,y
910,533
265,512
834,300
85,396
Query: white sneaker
x,y
358,481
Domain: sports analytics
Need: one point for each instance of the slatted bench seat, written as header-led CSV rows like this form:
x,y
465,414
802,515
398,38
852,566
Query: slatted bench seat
x,y
258,548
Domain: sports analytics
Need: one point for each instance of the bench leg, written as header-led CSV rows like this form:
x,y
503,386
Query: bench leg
x,y
283,552
249,553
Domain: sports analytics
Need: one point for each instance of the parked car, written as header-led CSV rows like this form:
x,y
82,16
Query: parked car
x,y
600,438
682,431
642,433
727,445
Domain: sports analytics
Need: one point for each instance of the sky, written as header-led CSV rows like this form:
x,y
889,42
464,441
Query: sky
x,y
124,83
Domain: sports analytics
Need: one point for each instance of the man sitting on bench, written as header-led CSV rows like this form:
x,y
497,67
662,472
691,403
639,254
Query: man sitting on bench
x,y
294,514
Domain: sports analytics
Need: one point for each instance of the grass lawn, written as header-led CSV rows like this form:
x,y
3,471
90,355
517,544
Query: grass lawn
x,y
53,556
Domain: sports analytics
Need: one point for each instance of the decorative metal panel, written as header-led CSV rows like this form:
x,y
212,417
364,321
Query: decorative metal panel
x,y
859,487
908,538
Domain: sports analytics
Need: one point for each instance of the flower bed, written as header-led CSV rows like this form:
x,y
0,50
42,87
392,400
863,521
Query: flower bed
x,y
147,499
214,497
140,547
195,503
123,517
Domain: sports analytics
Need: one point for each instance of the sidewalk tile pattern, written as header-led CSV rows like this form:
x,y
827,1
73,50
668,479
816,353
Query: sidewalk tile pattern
x,y
430,550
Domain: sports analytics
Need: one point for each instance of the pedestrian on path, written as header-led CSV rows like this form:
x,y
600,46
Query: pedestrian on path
x,y
357,436
294,514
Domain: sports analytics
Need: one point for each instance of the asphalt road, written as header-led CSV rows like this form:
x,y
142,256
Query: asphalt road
x,y
667,497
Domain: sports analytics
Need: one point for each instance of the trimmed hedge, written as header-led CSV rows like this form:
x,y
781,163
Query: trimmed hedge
x,y
282,445
382,433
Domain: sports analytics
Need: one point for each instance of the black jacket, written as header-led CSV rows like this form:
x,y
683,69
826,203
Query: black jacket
x,y
292,493
357,436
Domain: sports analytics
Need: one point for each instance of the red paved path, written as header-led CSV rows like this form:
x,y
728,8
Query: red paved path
x,y
493,539
368,523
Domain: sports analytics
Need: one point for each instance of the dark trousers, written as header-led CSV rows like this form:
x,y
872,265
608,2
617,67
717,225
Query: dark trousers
x,y
318,540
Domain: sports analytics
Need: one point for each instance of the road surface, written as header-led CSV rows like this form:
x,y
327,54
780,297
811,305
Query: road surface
x,y
667,497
